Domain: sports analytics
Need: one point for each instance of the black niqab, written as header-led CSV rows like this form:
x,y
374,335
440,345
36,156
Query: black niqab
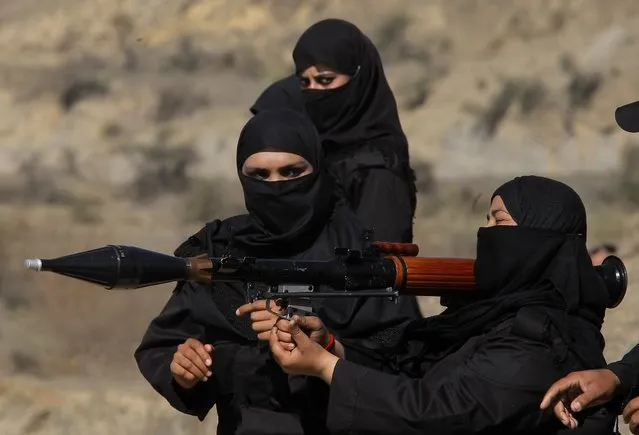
x,y
290,211
363,110
284,93
541,262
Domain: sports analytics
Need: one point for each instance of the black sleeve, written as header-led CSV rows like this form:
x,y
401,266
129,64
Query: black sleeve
x,y
495,390
173,326
383,203
627,370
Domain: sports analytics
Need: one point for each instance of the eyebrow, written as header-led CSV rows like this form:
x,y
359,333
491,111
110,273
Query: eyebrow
x,y
298,164
321,74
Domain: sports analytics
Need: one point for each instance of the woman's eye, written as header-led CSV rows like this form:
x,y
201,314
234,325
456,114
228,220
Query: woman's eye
x,y
324,80
292,172
305,82
260,174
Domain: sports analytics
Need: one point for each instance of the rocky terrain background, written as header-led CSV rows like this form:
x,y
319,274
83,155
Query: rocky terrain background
x,y
118,122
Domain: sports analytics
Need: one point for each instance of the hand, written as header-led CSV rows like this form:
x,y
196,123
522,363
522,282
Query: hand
x,y
191,363
310,325
631,415
262,321
307,358
578,391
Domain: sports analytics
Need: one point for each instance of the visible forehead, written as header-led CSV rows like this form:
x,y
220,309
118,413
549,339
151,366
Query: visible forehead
x,y
497,203
273,159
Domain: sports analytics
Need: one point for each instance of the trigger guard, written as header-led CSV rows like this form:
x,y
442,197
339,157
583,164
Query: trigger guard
x,y
279,315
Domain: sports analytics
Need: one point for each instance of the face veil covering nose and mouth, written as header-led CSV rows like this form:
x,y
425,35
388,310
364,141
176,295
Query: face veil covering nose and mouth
x,y
362,110
551,229
291,210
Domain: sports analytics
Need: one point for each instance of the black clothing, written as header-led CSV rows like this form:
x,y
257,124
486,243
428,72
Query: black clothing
x,y
252,394
362,136
284,93
362,110
543,261
627,370
492,385
484,365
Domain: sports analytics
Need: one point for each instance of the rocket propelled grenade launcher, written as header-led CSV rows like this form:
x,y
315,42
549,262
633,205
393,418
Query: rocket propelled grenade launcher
x,y
382,270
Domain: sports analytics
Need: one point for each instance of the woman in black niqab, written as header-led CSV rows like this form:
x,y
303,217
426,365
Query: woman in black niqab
x,y
298,217
483,366
365,146
541,261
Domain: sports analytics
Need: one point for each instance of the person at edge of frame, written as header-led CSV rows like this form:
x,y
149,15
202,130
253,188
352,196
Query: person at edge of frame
x,y
615,386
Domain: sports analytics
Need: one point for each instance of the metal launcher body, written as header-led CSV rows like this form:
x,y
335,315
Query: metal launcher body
x,y
381,270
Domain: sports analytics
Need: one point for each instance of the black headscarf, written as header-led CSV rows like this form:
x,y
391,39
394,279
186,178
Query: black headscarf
x,y
300,219
364,109
291,211
542,262
284,93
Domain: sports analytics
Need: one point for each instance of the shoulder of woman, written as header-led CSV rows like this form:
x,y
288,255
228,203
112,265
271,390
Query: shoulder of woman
x,y
213,233
519,361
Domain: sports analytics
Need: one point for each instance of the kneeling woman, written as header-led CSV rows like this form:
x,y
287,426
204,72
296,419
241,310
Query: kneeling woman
x,y
484,365
200,352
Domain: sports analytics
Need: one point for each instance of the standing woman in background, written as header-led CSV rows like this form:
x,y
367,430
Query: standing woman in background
x,y
345,93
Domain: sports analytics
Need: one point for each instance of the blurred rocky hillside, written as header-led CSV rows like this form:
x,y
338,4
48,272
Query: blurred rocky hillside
x,y
119,91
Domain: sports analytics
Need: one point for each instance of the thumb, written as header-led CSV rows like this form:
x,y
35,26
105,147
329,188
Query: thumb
x,y
299,337
584,400
301,322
